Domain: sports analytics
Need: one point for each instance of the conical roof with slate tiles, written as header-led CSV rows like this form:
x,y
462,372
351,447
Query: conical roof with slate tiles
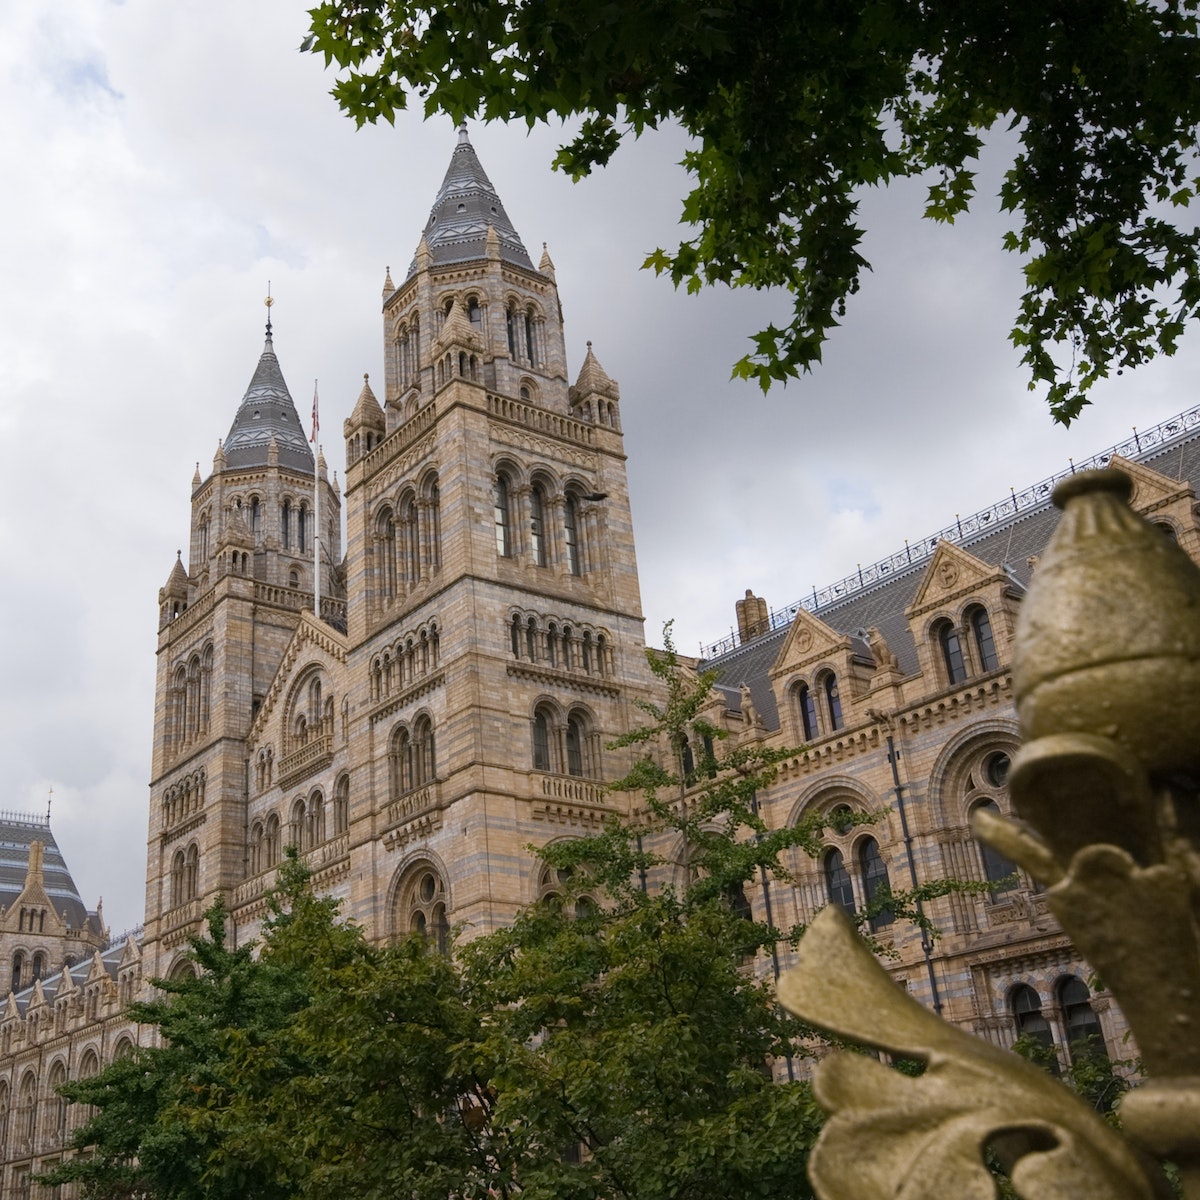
x,y
466,205
267,410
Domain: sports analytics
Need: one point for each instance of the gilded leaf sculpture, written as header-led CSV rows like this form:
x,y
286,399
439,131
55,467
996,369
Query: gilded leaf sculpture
x,y
1107,683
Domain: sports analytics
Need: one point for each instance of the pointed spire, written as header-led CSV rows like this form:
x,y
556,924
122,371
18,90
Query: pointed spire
x,y
267,411
322,467
196,480
492,243
366,410
219,460
466,203
337,488
388,286
546,266
594,380
177,581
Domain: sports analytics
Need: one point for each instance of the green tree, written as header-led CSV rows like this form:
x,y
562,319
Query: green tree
x,y
795,108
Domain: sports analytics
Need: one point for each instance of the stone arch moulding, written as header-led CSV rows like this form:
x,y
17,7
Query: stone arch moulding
x,y
955,753
830,789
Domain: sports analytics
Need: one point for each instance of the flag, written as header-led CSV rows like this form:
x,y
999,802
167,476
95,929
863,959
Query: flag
x,y
316,428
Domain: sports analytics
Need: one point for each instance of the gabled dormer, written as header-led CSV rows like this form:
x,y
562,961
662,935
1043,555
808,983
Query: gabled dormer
x,y
819,676
1169,504
962,618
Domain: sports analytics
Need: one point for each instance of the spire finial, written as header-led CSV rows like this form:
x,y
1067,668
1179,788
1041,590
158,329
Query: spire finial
x,y
269,301
49,802
463,140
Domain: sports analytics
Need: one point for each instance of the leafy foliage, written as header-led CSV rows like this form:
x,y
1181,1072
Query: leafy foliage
x,y
794,109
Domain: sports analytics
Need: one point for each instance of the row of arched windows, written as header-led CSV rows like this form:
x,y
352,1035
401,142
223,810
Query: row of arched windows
x,y
535,523
295,523
565,743
310,824
407,541
21,1123
184,798
559,645
967,649
189,700
311,714
412,761
410,657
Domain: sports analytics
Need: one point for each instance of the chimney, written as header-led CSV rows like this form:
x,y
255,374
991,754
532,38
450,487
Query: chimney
x,y
752,617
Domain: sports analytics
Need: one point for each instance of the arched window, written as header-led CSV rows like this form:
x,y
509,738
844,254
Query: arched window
x,y
57,1106
552,644
537,524
18,971
833,703
530,339
421,907
474,312
502,515
400,762
837,881
255,518
541,740
575,740
875,882
510,318
191,873
571,530
423,755
341,805
985,644
585,648
302,529
27,1112
952,655
285,522
316,818
178,869
998,870
807,707
531,639
39,964
1084,1035
1027,1016
273,849
515,636
386,540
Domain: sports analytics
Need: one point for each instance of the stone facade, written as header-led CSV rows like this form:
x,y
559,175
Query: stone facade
x,y
478,645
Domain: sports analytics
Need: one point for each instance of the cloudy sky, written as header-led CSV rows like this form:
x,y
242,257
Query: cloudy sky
x,y
164,161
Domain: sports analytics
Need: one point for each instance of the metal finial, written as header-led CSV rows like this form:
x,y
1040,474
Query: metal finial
x,y
49,802
269,301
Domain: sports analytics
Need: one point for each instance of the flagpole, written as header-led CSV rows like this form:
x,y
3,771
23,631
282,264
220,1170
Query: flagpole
x,y
316,427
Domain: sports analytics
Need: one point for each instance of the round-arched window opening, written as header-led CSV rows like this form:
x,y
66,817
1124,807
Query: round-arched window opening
x,y
428,888
840,820
995,768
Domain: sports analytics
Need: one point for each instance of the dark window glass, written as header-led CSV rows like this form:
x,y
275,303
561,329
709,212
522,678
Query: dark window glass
x,y
500,513
572,534
875,881
833,701
837,881
952,655
997,869
1027,1015
1079,1019
574,747
808,711
541,742
981,626
537,525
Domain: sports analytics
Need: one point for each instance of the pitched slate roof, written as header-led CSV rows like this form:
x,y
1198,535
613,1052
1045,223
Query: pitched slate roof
x,y
17,834
465,206
1005,541
267,410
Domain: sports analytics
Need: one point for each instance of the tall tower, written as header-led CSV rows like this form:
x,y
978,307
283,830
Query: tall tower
x,y
495,624
224,623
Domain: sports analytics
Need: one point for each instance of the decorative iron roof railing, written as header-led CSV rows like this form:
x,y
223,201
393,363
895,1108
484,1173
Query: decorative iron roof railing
x,y
966,530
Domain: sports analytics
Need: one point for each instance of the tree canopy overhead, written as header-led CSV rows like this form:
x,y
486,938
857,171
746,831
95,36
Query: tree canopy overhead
x,y
795,108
